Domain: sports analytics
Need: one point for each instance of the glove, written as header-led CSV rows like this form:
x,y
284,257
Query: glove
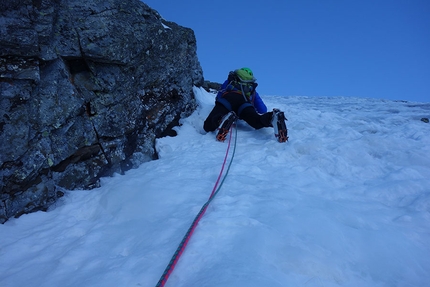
x,y
232,76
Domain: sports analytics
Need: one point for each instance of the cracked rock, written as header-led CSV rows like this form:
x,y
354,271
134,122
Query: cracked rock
x,y
86,88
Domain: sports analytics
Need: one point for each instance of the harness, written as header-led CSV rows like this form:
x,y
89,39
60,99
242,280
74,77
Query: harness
x,y
243,88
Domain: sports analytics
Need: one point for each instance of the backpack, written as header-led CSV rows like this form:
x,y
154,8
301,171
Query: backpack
x,y
241,83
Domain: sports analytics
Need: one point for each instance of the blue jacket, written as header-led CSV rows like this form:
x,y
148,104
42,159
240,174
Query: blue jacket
x,y
255,99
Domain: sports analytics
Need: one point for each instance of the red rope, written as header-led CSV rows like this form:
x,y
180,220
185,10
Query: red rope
x,y
223,165
186,239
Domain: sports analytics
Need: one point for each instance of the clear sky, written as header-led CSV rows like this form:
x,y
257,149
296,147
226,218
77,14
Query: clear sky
x,y
375,49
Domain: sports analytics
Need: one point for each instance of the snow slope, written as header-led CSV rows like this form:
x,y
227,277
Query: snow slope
x,y
346,202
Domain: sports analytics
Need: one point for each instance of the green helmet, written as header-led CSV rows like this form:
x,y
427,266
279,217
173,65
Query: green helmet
x,y
245,74
248,70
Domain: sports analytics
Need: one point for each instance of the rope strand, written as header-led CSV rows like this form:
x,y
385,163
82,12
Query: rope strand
x,y
190,231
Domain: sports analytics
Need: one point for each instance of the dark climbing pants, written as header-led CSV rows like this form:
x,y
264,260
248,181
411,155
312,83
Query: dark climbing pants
x,y
244,110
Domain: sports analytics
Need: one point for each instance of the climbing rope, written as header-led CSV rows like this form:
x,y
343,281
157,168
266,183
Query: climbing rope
x,y
216,188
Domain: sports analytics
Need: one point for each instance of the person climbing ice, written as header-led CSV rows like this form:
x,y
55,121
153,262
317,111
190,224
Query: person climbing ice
x,y
238,99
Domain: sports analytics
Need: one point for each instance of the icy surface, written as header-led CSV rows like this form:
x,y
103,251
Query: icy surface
x,y
346,202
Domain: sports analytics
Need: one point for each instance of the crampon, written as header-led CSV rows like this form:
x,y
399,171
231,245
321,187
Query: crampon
x,y
225,125
279,125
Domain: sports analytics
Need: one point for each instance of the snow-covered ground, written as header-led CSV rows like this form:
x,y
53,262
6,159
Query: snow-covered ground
x,y
346,202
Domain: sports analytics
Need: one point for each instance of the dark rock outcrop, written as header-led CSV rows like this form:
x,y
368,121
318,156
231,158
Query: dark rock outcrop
x,y
211,86
86,87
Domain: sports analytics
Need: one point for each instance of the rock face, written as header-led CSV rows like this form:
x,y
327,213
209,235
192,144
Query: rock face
x,y
86,87
211,86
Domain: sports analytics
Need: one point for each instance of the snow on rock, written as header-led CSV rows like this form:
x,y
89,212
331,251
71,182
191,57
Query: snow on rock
x,y
346,202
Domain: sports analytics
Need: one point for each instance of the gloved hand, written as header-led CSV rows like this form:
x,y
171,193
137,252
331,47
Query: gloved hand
x,y
232,76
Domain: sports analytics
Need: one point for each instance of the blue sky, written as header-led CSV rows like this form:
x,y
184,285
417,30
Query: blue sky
x,y
374,49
